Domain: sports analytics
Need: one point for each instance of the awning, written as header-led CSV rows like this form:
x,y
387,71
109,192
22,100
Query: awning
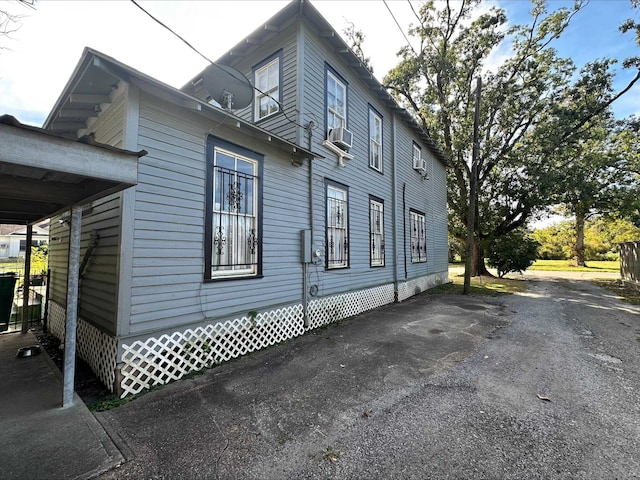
x,y
42,174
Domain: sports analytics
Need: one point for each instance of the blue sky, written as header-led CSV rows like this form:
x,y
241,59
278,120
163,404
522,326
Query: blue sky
x,y
37,61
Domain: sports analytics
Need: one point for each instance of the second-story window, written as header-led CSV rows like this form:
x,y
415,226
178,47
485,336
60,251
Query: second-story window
x,y
375,140
336,102
267,93
418,161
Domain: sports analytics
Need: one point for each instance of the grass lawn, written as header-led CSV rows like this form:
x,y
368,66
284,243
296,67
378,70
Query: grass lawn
x,y
492,286
624,292
565,266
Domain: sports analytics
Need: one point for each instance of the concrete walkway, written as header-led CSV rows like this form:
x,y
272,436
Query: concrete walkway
x,y
38,439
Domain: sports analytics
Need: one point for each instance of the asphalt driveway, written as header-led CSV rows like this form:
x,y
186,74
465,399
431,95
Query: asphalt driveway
x,y
536,385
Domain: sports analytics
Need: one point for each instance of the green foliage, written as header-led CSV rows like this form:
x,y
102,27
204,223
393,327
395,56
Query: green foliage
x,y
39,260
555,241
535,109
513,252
602,237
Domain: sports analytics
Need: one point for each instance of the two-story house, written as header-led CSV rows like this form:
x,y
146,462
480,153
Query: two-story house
x,y
250,225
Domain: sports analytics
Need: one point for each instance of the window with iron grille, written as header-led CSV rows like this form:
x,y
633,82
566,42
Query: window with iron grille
x,y
233,229
376,231
337,246
418,237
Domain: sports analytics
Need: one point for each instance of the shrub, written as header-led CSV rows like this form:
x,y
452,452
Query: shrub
x,y
513,252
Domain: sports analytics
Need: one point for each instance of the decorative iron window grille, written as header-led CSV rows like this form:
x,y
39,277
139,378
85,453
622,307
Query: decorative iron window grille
x,y
418,237
235,221
337,228
376,232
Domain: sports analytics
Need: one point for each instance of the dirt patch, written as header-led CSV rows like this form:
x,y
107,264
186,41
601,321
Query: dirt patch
x,y
87,385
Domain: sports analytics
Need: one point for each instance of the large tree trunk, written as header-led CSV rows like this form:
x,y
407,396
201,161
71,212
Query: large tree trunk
x,y
478,266
578,248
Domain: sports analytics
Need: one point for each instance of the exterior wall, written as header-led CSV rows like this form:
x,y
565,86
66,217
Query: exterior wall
x,y
175,322
168,257
97,302
9,246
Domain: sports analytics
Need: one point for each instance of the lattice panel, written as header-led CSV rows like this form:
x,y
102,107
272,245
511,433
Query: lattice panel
x,y
156,361
55,320
331,309
418,285
99,350
95,347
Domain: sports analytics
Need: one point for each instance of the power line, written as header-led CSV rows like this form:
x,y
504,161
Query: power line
x,y
398,25
218,66
168,28
413,9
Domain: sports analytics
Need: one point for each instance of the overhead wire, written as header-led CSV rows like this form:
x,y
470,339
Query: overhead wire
x,y
218,66
398,25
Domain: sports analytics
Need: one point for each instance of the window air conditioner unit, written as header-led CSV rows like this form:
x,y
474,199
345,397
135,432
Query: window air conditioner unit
x,y
341,137
420,164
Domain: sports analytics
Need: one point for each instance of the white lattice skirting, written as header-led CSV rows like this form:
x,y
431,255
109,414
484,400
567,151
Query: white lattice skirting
x,y
160,360
95,347
156,361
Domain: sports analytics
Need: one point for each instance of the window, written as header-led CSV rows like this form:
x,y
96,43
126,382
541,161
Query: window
x,y
375,140
418,237
337,241
376,231
336,102
418,162
233,211
267,93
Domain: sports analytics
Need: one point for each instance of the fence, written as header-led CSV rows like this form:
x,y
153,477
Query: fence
x,y
630,262
36,305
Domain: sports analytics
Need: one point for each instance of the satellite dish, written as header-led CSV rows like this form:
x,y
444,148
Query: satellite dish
x,y
227,86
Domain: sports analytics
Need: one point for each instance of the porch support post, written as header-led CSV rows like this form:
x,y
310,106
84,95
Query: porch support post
x,y
27,279
72,307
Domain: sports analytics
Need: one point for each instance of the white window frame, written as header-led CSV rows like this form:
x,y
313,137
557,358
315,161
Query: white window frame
x,y
375,140
418,162
269,91
376,232
336,113
337,227
418,233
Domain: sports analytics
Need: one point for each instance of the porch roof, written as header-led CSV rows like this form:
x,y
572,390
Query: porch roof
x,y
42,174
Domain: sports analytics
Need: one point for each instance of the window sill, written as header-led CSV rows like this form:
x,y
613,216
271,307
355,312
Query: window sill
x,y
341,154
230,279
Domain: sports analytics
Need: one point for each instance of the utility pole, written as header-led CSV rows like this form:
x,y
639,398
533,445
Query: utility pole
x,y
473,194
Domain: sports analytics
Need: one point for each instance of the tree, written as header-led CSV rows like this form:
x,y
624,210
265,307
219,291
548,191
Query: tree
x,y
521,127
625,147
11,22
555,241
514,252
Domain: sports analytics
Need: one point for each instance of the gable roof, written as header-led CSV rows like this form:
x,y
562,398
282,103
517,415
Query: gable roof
x,y
303,9
97,75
